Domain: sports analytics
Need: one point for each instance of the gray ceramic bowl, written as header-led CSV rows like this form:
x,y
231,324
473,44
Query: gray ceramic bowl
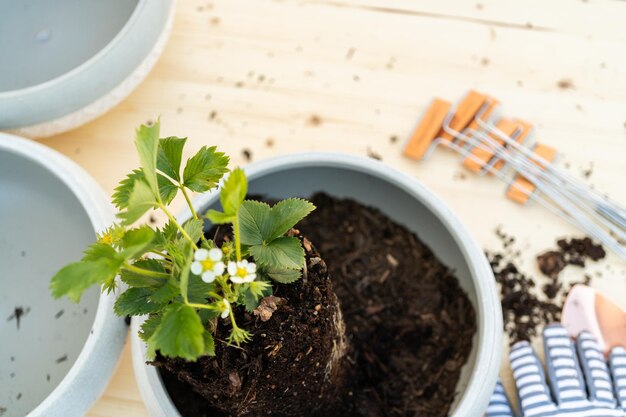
x,y
65,62
58,358
407,202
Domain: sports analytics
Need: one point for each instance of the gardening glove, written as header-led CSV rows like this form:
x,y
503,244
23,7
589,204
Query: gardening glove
x,y
581,383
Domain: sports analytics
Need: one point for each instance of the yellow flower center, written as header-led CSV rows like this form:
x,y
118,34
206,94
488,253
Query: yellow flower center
x,y
207,264
107,239
242,272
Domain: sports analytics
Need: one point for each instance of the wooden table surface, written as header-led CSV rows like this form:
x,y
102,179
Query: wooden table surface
x,y
354,76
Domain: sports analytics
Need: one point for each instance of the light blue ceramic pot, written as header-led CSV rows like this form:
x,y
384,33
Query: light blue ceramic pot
x,y
407,202
59,358
65,62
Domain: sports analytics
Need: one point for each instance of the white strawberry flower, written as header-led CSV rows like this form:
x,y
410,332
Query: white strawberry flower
x,y
225,308
242,271
208,264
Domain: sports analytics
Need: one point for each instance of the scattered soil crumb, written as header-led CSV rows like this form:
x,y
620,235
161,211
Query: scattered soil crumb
x,y
374,155
520,83
484,61
269,142
59,314
525,307
565,84
247,154
524,313
215,21
18,313
356,78
152,219
459,176
23,253
48,377
350,53
3,410
315,120
505,238
574,251
212,115
479,6
179,110
393,138
239,84
19,396
588,172
61,359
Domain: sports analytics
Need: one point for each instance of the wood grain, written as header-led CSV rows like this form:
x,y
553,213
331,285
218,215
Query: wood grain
x,y
355,75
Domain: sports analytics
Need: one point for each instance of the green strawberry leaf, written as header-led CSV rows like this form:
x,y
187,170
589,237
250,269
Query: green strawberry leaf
x,y
286,214
121,194
167,189
204,170
97,251
136,241
149,326
194,228
284,276
136,302
147,144
170,155
283,253
166,292
180,333
217,217
234,192
254,222
141,200
133,279
73,279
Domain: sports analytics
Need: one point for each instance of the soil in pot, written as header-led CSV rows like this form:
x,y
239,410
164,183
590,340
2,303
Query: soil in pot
x,y
295,363
409,325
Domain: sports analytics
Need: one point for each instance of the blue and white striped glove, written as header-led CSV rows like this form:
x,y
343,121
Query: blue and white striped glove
x,y
582,384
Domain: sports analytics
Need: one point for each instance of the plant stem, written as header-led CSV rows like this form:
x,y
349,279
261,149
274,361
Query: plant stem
x,y
193,211
180,228
237,236
232,319
145,272
163,254
201,306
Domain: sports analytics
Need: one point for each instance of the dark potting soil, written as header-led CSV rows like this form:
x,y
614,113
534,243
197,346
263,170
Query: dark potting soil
x,y
409,324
